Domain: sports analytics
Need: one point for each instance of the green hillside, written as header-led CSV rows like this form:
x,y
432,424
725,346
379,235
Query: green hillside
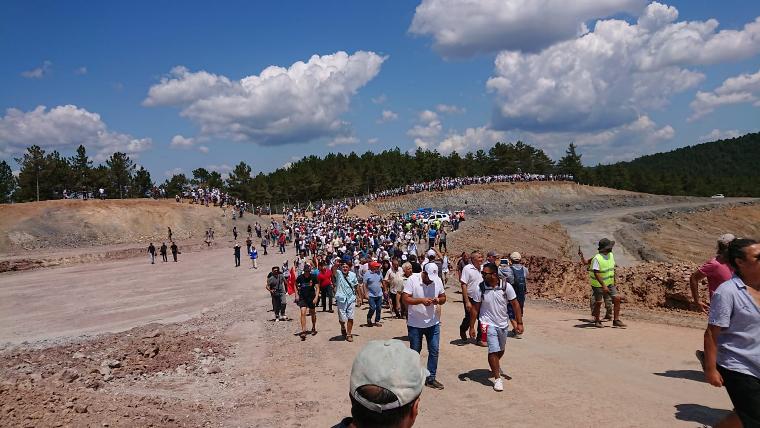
x,y
730,167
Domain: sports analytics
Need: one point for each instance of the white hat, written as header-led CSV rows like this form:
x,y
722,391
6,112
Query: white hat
x,y
515,256
431,269
404,378
431,253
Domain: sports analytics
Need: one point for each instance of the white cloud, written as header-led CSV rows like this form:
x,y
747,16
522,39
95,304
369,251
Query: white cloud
x,y
744,88
342,141
387,116
373,141
611,76
39,72
64,127
203,149
718,134
81,71
470,140
180,142
224,170
464,28
623,142
280,105
172,172
380,99
426,132
449,109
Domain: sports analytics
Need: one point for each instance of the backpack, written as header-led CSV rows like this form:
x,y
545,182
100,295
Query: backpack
x,y
501,287
520,283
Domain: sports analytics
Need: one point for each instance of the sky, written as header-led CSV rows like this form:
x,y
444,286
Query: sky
x,y
182,85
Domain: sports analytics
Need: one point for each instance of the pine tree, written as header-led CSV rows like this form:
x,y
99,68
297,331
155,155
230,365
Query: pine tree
x,y
571,162
81,167
7,182
121,171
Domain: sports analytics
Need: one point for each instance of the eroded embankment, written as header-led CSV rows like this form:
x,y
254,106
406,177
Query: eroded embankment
x,y
653,285
687,234
501,199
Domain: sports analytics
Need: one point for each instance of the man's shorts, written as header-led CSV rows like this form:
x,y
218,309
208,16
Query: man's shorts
x,y
495,337
345,308
599,294
306,301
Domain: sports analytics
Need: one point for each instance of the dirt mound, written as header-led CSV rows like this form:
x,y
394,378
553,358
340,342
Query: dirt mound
x,y
648,285
500,199
71,384
547,240
51,225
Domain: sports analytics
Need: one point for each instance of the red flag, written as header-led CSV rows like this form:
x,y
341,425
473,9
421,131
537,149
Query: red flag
x,y
292,281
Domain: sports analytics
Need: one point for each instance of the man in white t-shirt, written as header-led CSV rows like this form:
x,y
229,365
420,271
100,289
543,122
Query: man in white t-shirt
x,y
470,280
497,296
423,292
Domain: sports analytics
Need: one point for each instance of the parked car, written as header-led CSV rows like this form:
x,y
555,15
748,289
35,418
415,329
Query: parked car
x,y
442,217
717,196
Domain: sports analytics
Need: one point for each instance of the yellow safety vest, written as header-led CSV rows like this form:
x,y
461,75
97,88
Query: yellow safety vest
x,y
606,270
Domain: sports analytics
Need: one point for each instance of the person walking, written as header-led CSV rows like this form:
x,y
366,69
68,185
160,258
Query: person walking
x,y
373,284
162,251
234,233
732,337
152,253
175,251
602,278
442,240
497,297
236,252
422,294
248,244
265,243
325,279
275,285
517,276
254,255
345,298
470,281
394,283
169,233
717,270
307,298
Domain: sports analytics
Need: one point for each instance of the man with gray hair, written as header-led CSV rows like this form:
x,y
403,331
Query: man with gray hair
x,y
385,395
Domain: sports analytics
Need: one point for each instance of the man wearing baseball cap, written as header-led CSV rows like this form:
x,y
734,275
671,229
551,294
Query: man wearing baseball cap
x,y
422,294
382,394
602,278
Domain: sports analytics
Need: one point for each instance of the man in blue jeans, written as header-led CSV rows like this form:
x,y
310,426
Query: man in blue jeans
x,y
373,283
423,292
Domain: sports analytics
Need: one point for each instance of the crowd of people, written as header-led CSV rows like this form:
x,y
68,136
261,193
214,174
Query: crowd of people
x,y
400,265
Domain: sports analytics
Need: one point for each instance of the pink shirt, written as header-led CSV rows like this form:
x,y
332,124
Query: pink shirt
x,y
717,273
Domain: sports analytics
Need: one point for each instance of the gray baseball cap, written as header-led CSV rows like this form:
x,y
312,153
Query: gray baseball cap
x,y
405,378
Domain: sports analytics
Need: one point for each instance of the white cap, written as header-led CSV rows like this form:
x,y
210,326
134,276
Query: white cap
x,y
431,252
404,378
431,269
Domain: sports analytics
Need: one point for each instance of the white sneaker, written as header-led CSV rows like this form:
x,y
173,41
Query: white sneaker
x,y
276,319
498,385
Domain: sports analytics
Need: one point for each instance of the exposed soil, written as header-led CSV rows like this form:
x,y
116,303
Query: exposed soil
x,y
108,339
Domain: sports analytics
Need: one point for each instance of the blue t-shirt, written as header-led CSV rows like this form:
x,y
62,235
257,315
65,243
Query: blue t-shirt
x,y
733,309
431,233
374,283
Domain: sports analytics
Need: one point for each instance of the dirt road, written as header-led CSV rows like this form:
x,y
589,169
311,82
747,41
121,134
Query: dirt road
x,y
588,227
563,373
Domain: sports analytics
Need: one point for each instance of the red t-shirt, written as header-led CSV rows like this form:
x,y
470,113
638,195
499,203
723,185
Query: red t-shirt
x,y
717,273
325,278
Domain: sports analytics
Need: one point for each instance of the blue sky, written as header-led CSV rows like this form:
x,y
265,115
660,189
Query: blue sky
x,y
621,79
